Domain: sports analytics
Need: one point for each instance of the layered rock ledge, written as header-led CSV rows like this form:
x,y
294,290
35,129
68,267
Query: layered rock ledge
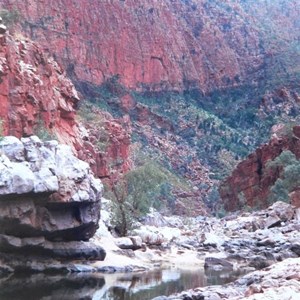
x,y
49,204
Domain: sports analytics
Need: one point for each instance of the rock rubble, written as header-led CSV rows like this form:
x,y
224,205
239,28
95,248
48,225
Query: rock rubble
x,y
264,243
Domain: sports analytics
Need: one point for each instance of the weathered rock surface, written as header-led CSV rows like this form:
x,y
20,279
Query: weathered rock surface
x,y
250,182
217,263
131,242
249,244
107,144
217,44
49,201
37,98
35,93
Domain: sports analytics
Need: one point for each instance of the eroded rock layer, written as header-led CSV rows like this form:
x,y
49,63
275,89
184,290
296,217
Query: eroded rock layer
x,y
49,201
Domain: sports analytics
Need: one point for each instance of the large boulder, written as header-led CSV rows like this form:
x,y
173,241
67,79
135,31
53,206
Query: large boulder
x,y
49,200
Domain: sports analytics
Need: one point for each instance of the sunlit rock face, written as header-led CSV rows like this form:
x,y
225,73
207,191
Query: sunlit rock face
x,y
34,92
168,44
37,98
49,201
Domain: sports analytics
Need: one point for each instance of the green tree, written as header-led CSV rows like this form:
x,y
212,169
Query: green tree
x,y
134,194
289,180
122,212
145,184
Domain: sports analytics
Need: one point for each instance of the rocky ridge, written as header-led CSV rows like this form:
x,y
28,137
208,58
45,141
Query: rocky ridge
x,y
49,206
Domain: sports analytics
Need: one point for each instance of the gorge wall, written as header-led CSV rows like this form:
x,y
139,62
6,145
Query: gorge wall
x,y
169,44
238,54
37,98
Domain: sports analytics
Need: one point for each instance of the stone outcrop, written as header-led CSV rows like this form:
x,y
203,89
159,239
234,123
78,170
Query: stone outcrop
x,y
250,182
37,98
107,145
49,202
169,44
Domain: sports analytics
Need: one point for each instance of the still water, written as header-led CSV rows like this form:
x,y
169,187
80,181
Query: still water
x,y
130,286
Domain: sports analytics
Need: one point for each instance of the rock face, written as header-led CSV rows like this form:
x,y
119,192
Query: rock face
x,y
35,94
250,183
107,144
171,44
37,98
49,201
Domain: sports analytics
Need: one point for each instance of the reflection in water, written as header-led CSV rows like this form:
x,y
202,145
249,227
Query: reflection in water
x,y
130,286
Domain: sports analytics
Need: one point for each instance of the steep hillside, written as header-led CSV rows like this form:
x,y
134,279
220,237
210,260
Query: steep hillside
x,y
171,44
37,98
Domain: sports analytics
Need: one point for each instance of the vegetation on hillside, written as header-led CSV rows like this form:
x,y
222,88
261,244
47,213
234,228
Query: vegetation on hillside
x,y
222,128
289,180
221,120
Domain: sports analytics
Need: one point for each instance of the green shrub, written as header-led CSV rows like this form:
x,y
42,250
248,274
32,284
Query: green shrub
x,y
149,185
43,132
144,187
289,167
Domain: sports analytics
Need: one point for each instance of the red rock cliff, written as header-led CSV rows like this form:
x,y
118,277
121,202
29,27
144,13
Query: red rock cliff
x,y
165,44
250,182
37,98
34,92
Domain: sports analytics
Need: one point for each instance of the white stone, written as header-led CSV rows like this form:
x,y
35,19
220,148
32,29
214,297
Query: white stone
x,y
45,181
213,239
13,148
32,145
124,243
49,167
22,179
150,235
68,166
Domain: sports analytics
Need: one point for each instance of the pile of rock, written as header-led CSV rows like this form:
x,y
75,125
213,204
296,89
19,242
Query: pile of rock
x,y
266,241
280,281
